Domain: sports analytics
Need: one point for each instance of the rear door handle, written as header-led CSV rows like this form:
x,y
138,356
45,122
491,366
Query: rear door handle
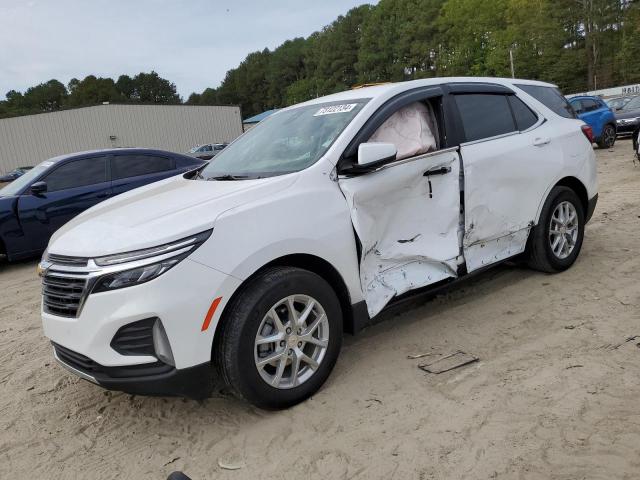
x,y
437,171
539,142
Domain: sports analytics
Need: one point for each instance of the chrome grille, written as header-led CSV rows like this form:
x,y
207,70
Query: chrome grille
x,y
67,261
63,295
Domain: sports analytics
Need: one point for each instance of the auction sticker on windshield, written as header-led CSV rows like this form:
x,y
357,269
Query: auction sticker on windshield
x,y
335,109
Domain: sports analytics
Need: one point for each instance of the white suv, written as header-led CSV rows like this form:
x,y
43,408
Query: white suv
x,y
308,226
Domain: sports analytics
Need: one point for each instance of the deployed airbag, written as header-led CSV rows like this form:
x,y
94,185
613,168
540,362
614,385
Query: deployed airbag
x,y
411,129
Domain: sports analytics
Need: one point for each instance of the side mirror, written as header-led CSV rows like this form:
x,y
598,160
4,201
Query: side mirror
x,y
374,152
38,188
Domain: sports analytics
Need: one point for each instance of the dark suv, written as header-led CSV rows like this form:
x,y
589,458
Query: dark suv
x,y
39,202
628,117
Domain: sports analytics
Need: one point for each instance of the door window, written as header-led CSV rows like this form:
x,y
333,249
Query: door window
x,y
589,105
125,166
412,129
525,118
78,173
485,115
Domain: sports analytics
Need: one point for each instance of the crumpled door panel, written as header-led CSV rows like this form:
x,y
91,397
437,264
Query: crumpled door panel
x,y
408,225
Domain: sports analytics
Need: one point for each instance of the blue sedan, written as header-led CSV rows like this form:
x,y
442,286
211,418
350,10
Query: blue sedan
x,y
39,202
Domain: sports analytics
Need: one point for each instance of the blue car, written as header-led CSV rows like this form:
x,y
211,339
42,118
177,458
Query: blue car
x,y
39,202
599,116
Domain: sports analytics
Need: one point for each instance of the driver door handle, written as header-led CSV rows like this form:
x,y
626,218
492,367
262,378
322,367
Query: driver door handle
x,y
437,171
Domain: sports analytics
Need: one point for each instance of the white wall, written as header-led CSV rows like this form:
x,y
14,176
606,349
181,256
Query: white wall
x,y
31,139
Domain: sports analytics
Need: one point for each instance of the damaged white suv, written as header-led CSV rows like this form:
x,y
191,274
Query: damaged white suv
x,y
308,226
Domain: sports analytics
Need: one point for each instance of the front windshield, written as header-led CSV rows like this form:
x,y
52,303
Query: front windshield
x,y
288,141
634,104
194,149
19,183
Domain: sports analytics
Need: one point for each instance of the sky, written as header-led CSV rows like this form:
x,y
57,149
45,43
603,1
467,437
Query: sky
x,y
189,42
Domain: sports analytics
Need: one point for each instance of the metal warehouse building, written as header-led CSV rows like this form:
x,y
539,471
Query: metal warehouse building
x,y
30,139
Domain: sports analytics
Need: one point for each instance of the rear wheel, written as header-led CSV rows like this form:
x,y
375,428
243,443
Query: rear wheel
x,y
608,138
281,338
556,241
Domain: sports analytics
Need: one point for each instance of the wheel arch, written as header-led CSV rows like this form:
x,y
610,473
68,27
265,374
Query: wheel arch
x,y
574,184
312,263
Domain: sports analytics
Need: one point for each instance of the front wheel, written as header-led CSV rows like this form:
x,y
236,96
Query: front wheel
x,y
557,239
608,138
281,338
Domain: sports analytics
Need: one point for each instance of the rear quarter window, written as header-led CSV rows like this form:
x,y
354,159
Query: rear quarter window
x,y
551,98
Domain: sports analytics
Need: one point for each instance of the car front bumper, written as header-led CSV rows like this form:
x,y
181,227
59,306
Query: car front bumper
x,y
153,379
180,300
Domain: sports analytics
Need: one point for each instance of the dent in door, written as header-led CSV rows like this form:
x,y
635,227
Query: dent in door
x,y
408,225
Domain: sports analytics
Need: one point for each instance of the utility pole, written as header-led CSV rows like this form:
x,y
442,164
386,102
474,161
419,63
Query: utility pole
x,y
513,74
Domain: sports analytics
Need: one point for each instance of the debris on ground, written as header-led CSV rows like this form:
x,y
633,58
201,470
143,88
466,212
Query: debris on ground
x,y
449,362
230,466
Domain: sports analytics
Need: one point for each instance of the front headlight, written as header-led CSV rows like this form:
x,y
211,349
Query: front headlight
x,y
168,255
135,276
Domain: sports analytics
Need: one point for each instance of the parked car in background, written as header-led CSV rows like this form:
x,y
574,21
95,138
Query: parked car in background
x,y
617,103
310,224
208,151
597,114
13,174
39,202
628,118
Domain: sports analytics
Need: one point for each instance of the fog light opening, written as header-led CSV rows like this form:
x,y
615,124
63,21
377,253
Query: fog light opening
x,y
161,344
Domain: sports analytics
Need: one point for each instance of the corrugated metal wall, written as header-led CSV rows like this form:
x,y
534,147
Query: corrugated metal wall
x,y
31,139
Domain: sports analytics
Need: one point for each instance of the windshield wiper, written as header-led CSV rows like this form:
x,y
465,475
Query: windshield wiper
x,y
229,177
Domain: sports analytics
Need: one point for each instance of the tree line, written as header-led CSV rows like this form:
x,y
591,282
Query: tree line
x,y
92,90
578,44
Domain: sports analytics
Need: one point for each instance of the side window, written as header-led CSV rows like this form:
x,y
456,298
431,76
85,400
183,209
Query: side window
x,y
485,115
577,106
551,98
412,129
78,173
589,105
124,166
525,118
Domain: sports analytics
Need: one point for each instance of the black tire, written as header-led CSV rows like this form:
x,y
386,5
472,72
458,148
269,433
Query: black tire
x,y
608,137
541,256
234,347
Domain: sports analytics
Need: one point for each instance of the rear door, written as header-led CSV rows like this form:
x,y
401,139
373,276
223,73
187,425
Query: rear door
x,y
406,212
133,170
507,153
72,188
591,113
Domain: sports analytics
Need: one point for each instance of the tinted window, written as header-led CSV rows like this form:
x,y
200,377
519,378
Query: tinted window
x,y
77,173
551,98
525,118
124,166
484,115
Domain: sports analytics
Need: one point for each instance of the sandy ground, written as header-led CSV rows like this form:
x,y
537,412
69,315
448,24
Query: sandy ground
x,y
556,394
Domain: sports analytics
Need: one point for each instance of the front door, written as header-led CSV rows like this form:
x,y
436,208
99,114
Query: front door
x,y
406,213
71,188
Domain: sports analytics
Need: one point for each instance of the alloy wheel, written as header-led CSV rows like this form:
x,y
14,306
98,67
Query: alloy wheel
x,y
291,342
563,230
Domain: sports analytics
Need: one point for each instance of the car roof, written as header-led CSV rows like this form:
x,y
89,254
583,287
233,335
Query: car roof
x,y
589,97
390,89
106,151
